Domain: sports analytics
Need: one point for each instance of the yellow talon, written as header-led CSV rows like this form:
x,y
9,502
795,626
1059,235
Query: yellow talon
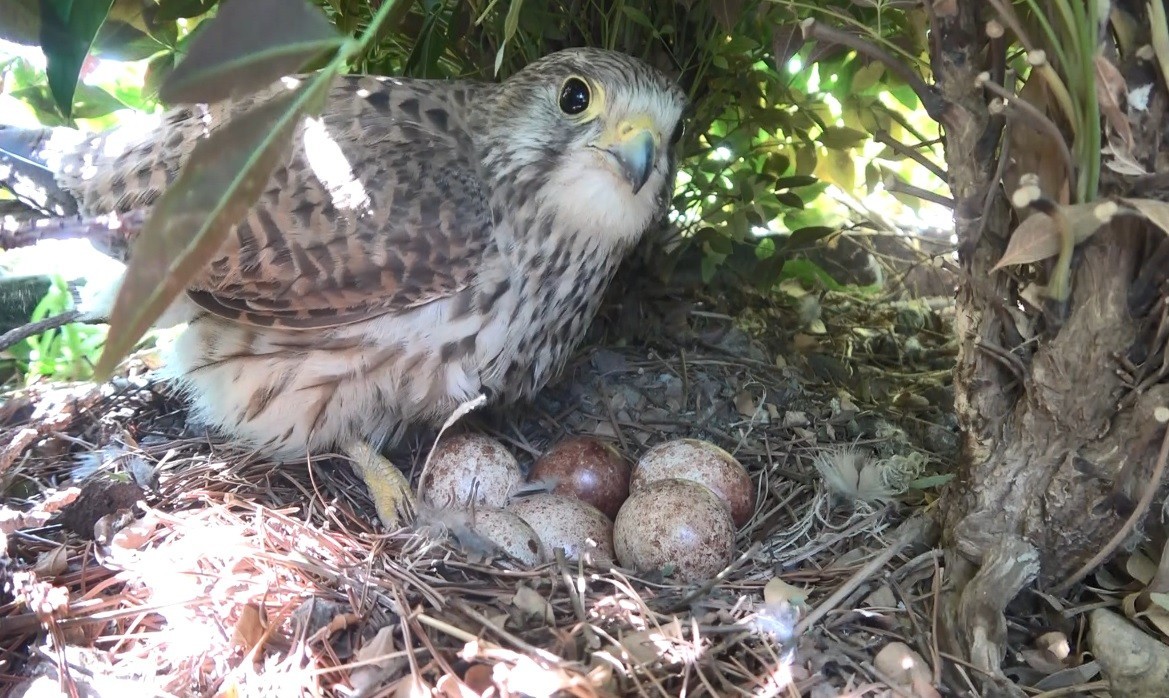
x,y
388,487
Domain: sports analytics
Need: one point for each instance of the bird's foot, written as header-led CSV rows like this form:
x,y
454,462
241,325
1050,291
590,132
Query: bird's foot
x,y
387,485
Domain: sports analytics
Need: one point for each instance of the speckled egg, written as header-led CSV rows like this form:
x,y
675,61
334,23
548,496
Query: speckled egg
x,y
469,468
701,462
675,521
569,523
511,533
586,468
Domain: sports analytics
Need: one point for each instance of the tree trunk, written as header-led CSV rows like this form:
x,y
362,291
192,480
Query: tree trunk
x,y
1053,436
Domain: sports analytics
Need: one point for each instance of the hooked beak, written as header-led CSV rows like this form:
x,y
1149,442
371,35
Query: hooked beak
x,y
634,145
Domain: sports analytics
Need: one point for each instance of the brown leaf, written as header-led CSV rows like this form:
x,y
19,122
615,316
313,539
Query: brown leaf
x,y
727,12
1156,212
247,46
478,678
223,178
1035,152
51,563
249,629
745,403
786,41
1110,89
906,667
532,605
778,591
1036,238
380,662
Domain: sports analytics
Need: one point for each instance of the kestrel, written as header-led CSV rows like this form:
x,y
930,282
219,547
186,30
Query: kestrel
x,y
424,242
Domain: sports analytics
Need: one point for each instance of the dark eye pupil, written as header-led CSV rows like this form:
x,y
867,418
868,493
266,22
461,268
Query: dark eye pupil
x,y
574,96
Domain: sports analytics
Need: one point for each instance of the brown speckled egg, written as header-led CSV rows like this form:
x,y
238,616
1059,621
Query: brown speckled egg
x,y
464,463
511,533
588,469
675,521
567,522
702,462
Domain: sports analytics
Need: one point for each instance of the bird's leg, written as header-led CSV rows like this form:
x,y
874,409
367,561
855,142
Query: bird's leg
x,y
387,485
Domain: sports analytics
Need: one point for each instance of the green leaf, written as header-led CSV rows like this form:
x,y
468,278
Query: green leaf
x,y
170,10
89,102
795,182
806,237
157,70
510,23
68,28
224,177
120,41
247,46
790,199
842,137
637,16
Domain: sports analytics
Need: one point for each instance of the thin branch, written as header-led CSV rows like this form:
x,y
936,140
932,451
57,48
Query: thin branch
x,y
109,233
32,329
883,136
893,184
931,99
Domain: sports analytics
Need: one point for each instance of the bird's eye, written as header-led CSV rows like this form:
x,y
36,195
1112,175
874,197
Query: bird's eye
x,y
574,96
679,131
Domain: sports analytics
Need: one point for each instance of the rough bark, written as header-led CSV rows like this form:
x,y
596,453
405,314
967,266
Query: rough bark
x,y
1048,439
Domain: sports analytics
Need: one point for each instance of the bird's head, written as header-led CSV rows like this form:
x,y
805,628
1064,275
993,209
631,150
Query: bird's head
x,y
599,129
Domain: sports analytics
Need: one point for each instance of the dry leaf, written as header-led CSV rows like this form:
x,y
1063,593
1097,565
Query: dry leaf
x,y
1110,88
882,597
340,622
1140,567
1055,644
51,563
532,605
794,418
1036,237
900,663
478,678
778,591
1035,152
805,343
1156,212
745,403
249,629
136,534
378,664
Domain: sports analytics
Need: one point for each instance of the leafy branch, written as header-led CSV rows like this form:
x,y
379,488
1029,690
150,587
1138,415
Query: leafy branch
x,y
248,45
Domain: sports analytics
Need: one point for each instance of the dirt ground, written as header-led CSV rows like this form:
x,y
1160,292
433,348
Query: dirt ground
x,y
147,558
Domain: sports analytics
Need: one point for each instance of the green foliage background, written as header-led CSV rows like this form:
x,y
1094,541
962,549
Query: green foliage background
x,y
776,119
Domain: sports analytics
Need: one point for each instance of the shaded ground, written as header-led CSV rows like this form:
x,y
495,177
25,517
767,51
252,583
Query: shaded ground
x,y
202,571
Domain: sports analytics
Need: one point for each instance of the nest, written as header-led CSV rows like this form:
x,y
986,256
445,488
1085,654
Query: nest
x,y
143,554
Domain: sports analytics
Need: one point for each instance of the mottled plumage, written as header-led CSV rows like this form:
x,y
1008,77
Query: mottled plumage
x,y
425,241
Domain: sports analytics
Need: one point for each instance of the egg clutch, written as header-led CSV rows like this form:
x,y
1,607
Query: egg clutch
x,y
676,510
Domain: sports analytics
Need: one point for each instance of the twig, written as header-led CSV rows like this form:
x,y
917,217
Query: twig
x,y
110,233
19,334
893,184
911,532
883,136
